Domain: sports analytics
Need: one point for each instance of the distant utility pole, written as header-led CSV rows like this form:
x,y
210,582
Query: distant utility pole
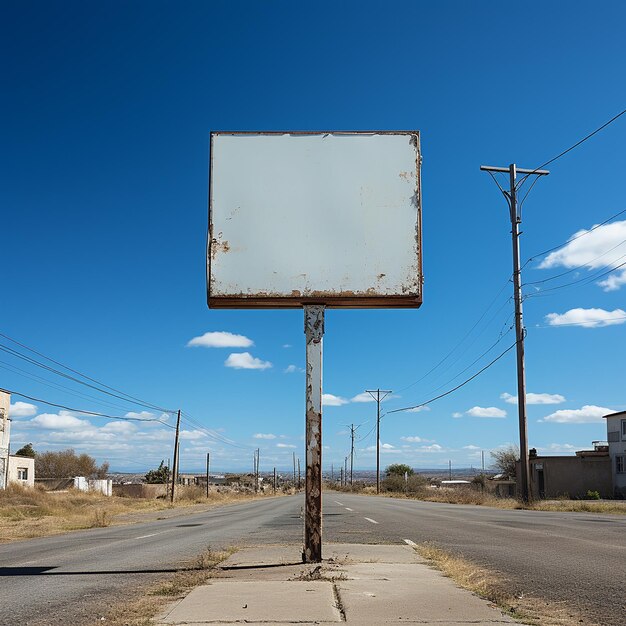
x,y
299,475
520,331
294,469
341,476
332,473
482,456
176,461
352,431
378,399
449,470
256,470
274,480
208,458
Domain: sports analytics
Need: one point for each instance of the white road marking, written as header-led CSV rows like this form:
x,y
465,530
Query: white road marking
x,y
146,536
347,509
369,519
411,543
339,503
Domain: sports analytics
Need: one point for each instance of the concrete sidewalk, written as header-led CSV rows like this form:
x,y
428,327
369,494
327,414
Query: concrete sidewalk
x,y
359,584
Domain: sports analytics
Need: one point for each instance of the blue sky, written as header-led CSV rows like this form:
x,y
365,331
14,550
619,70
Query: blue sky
x,y
106,116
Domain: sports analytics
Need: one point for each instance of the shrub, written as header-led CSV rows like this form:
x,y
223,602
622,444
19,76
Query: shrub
x,y
593,495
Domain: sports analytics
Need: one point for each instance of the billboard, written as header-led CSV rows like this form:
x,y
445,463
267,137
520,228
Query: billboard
x,y
330,218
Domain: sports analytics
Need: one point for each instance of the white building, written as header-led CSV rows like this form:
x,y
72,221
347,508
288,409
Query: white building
x,y
21,471
616,435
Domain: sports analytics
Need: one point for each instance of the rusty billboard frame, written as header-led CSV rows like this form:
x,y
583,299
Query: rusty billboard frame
x,y
347,299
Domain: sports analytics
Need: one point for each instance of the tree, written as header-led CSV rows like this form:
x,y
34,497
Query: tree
x,y
26,450
398,469
159,475
68,464
505,459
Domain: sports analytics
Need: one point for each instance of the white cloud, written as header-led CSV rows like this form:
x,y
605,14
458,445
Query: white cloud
x,y
55,421
415,439
471,447
286,345
419,409
220,339
602,247
456,414
245,361
588,414
264,436
489,411
587,318
292,369
556,448
386,446
285,445
22,409
435,447
362,397
328,399
535,398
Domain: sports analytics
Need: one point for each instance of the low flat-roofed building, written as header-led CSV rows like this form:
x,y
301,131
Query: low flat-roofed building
x,y
21,471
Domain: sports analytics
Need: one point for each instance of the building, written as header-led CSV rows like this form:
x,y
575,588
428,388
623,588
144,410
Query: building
x,y
572,476
21,470
616,435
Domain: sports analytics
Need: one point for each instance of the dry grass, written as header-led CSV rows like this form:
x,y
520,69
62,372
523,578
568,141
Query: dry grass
x,y
471,495
495,588
27,513
149,602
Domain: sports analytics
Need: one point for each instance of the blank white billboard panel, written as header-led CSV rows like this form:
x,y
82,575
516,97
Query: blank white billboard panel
x,y
331,218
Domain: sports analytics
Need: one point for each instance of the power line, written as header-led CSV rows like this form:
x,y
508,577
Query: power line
x,y
465,382
586,280
573,269
578,143
445,358
128,398
83,411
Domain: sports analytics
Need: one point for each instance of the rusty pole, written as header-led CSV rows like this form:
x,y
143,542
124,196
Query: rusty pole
x,y
314,331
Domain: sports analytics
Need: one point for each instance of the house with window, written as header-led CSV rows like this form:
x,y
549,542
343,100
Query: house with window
x,y
616,435
21,470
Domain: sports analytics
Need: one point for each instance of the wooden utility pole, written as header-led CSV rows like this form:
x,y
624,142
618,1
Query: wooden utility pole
x,y
208,456
274,480
294,469
378,401
520,332
299,475
341,476
175,467
352,431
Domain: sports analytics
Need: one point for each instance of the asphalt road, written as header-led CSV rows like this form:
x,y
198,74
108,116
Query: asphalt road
x,y
562,557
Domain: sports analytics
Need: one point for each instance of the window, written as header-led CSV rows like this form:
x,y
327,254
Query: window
x,y
620,464
623,430
22,473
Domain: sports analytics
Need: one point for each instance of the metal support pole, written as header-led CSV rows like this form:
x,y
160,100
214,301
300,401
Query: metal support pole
x,y
314,331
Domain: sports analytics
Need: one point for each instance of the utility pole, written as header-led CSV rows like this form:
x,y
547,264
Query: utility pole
x,y
274,481
378,401
256,470
482,456
352,431
449,470
341,476
520,331
299,475
208,456
175,467
332,473
294,469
